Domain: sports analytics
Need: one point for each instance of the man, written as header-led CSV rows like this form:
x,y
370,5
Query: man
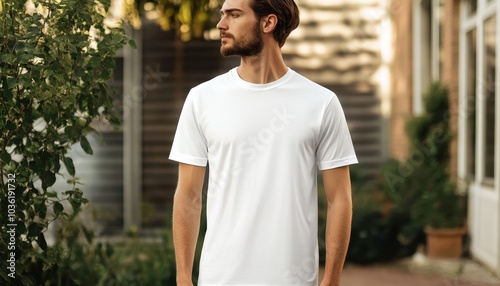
x,y
264,130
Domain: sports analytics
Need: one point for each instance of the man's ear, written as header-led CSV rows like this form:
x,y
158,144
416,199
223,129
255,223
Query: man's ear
x,y
269,23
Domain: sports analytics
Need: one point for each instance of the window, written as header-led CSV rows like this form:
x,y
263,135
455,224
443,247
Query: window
x,y
478,95
471,7
428,20
489,96
471,103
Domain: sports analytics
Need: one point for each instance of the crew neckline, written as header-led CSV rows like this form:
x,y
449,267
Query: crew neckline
x,y
261,86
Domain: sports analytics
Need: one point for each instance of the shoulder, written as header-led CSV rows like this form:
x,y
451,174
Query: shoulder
x,y
214,83
312,89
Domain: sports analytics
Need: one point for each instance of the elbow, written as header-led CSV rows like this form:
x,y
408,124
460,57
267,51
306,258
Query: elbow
x,y
343,202
186,200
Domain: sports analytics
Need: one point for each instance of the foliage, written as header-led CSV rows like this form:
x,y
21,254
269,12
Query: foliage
x,y
189,18
376,238
430,132
377,227
56,59
421,187
439,205
404,193
80,260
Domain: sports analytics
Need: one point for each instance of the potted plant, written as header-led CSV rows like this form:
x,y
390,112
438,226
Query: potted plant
x,y
443,214
438,206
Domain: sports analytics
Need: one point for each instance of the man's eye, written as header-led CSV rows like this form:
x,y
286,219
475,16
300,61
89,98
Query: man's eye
x,y
235,15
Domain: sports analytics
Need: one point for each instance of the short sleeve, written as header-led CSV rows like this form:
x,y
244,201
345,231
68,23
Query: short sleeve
x,y
335,148
190,145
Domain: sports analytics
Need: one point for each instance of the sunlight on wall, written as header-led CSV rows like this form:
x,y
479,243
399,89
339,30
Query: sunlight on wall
x,y
347,41
383,76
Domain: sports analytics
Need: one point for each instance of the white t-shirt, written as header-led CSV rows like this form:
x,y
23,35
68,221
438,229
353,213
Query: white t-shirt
x,y
264,144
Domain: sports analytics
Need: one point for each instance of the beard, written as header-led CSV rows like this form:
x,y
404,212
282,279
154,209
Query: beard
x,y
250,45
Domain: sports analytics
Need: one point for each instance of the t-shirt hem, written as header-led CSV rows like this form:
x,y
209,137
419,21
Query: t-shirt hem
x,y
337,163
186,159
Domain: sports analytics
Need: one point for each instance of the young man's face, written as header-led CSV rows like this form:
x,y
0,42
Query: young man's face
x,y
239,29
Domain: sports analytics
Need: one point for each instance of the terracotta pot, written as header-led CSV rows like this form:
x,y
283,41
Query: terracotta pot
x,y
444,243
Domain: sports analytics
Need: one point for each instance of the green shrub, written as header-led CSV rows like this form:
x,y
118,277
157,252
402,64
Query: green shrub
x,y
55,65
378,226
433,199
78,259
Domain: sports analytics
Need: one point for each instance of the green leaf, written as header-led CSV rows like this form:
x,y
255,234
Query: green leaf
x,y
117,38
11,82
5,157
86,145
68,162
89,234
94,62
48,73
7,92
21,228
71,131
43,212
6,57
41,242
58,208
24,57
132,44
48,179
115,121
109,250
10,126
75,204
34,229
51,194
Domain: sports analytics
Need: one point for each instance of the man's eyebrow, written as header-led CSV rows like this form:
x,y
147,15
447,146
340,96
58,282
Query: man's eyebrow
x,y
228,11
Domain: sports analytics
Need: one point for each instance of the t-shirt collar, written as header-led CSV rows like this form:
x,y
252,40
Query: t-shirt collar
x,y
255,86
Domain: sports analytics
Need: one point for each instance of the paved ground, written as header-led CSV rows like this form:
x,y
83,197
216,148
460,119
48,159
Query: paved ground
x,y
420,271
387,276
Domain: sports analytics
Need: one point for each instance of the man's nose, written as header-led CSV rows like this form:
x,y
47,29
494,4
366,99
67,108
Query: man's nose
x,y
222,25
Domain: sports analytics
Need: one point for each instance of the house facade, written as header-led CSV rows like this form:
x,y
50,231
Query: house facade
x,y
379,56
456,42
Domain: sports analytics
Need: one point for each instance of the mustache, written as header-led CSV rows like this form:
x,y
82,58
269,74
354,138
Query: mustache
x,y
226,35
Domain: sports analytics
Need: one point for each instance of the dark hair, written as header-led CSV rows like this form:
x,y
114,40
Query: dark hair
x,y
286,11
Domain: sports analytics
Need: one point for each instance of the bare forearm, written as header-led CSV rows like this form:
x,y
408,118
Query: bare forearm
x,y
186,224
338,231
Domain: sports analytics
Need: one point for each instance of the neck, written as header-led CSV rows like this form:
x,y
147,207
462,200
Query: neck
x,y
266,67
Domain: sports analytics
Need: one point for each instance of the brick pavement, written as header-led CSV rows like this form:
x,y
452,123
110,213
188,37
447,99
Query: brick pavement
x,y
420,271
354,275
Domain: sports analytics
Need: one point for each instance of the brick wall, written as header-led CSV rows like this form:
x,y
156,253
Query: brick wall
x,y
401,101
450,71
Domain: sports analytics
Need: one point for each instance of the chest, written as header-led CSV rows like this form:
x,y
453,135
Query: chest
x,y
258,125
